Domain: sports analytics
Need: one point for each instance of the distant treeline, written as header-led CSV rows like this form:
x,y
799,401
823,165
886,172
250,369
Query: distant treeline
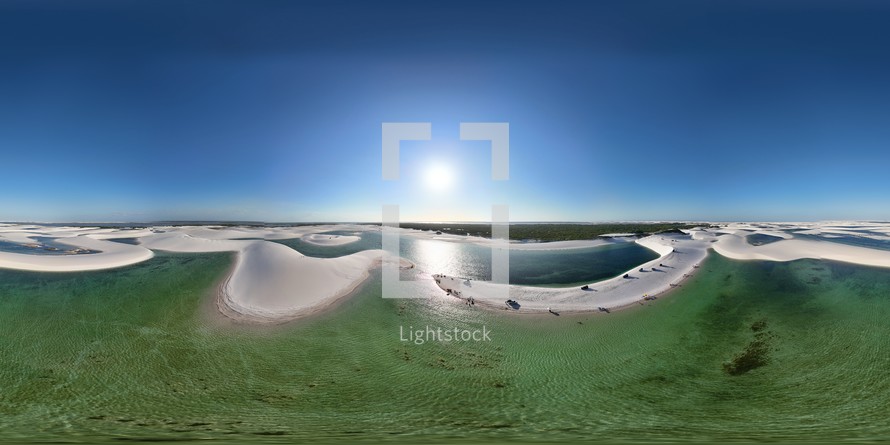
x,y
551,232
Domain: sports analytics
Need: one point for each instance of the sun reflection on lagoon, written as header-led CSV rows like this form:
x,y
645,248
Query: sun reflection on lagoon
x,y
436,256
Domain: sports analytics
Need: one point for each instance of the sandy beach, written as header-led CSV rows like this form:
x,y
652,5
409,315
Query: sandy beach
x,y
678,257
111,255
734,245
514,245
272,282
269,281
321,239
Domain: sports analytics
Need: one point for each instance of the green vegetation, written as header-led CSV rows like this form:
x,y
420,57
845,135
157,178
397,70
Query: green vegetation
x,y
551,232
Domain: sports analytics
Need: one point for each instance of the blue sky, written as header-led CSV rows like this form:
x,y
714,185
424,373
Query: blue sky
x,y
142,111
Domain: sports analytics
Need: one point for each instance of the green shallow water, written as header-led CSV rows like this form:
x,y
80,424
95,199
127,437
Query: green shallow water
x,y
136,353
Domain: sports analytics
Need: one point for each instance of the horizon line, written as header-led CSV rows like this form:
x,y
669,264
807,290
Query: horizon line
x,y
475,222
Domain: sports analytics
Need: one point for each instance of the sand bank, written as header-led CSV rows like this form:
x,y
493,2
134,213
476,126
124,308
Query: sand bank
x,y
514,244
110,255
272,282
736,247
323,239
269,282
678,257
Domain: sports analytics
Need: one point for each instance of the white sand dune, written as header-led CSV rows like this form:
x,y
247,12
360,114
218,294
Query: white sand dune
x,y
183,242
737,247
111,255
20,237
564,245
678,257
232,233
323,239
119,234
774,233
272,282
269,282
514,245
729,240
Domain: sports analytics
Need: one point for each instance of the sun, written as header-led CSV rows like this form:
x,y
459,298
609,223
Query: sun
x,y
438,177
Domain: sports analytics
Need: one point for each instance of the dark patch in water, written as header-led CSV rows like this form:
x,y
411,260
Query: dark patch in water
x,y
758,326
865,282
655,379
755,354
